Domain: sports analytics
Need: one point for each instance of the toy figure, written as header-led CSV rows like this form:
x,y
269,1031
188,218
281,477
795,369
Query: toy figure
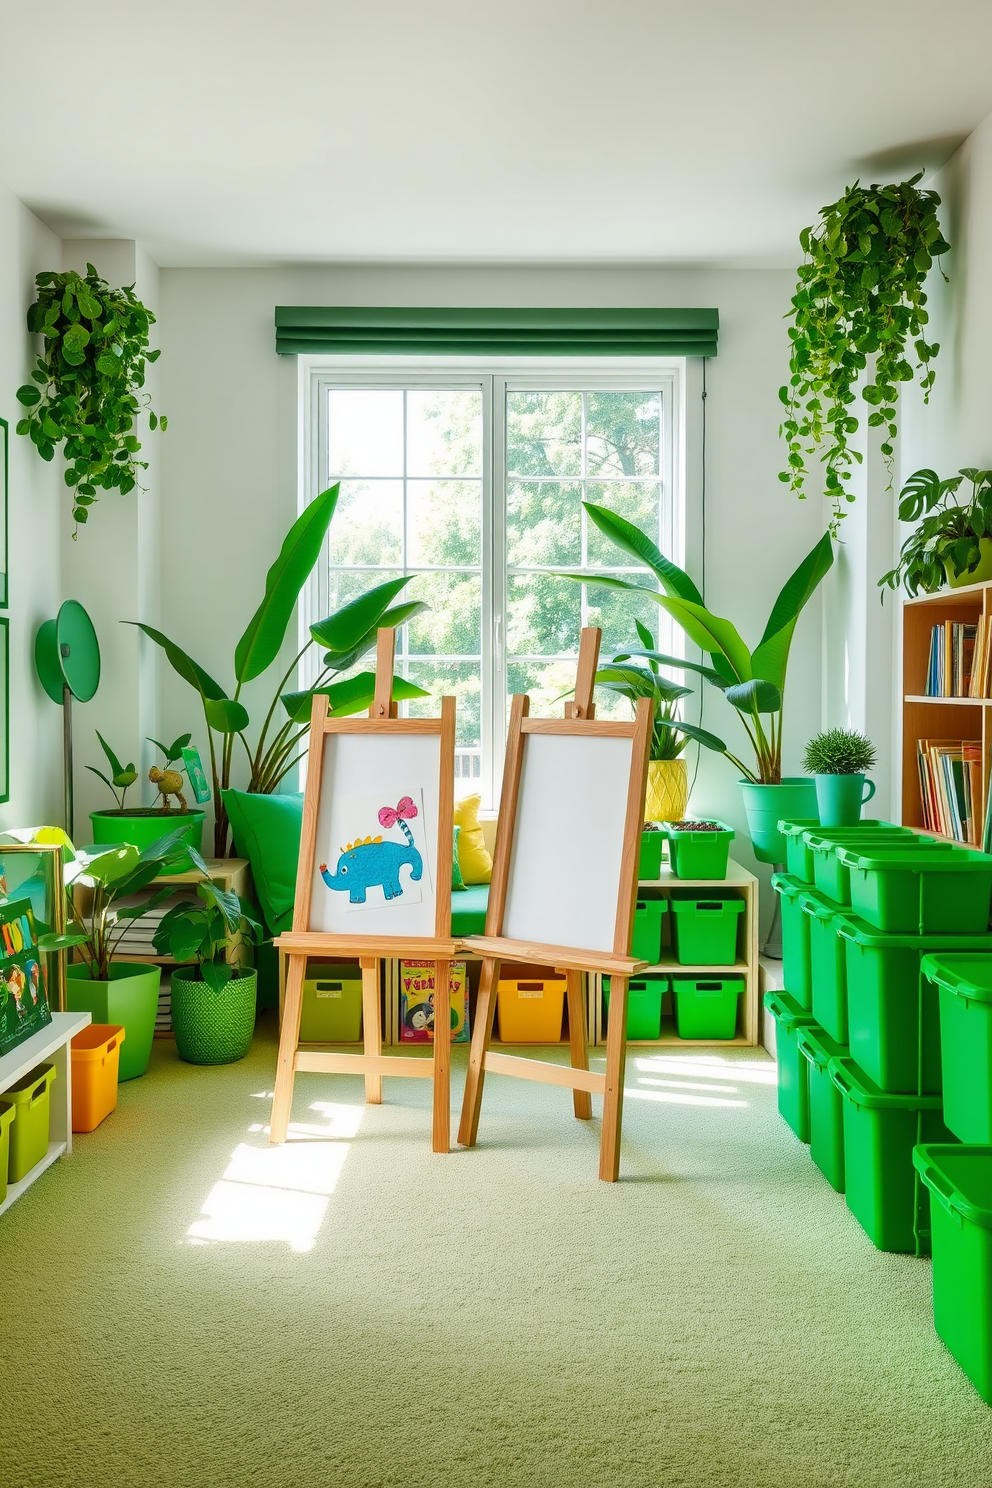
x,y
170,783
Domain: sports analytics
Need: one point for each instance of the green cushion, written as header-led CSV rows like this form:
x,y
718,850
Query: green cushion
x,y
267,832
468,910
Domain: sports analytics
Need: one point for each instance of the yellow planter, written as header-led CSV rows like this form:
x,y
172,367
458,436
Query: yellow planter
x,y
667,792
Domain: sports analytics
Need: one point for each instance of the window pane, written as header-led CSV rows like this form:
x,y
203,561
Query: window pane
x,y
544,615
453,624
547,682
346,584
461,679
368,523
623,433
443,433
544,433
615,612
638,502
364,432
444,523
543,523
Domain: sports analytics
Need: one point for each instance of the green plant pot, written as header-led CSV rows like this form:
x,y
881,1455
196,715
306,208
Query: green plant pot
x,y
979,575
213,1027
766,805
129,998
841,797
141,828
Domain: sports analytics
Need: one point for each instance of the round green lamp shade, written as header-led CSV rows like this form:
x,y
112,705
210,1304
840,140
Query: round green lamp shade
x,y
67,651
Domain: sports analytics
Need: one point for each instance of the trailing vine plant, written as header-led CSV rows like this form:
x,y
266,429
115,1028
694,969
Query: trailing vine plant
x,y
860,295
86,388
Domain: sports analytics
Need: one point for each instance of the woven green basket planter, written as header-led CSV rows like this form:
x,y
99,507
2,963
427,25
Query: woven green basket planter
x,y
213,1027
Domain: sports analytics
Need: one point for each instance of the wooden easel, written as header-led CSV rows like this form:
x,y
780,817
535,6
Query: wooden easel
x,y
302,942
579,721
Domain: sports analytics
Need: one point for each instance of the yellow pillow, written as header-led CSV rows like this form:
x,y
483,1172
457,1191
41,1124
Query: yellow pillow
x,y
474,857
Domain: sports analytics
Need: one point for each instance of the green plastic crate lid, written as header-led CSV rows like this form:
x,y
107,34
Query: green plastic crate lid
x,y
708,906
849,927
788,886
960,1177
817,1045
943,857
813,903
823,841
966,976
796,827
786,1011
852,1081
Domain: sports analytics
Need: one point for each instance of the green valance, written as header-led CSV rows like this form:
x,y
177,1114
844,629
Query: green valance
x,y
495,331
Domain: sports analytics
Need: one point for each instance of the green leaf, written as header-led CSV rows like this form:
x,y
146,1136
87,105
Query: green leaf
x,y
354,695
186,667
340,661
629,539
755,696
94,771
112,759
266,631
225,715
216,974
226,900
711,633
679,662
771,656
28,395
701,736
111,866
350,624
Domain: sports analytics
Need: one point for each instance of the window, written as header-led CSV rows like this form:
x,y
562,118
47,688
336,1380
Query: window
x,y
474,485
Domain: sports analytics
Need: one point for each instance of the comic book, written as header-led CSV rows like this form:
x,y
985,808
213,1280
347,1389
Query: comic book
x,y
23,996
417,1002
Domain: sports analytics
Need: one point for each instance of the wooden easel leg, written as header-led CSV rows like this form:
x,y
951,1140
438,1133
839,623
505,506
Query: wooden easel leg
x,y
289,1037
581,1099
485,1011
616,1060
441,1127
371,1024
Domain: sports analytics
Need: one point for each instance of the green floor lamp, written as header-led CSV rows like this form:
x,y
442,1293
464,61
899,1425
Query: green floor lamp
x,y
67,657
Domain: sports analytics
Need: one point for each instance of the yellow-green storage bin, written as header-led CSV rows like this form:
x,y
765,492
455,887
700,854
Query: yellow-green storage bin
x,y
830,876
332,1005
960,1184
927,891
793,1072
644,995
28,1135
965,983
649,915
827,964
6,1121
705,930
796,969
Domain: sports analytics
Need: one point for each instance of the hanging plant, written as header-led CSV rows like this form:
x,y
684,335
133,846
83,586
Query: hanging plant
x,y
860,295
86,388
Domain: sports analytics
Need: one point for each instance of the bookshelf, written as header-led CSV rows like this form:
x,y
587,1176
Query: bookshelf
x,y
939,717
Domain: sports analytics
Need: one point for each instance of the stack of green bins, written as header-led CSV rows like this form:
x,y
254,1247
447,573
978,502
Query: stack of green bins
x,y
796,970
941,890
826,1104
828,976
793,1076
798,859
830,876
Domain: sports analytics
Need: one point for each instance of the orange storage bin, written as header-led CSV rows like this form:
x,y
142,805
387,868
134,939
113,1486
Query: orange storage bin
x,y
530,1010
96,1053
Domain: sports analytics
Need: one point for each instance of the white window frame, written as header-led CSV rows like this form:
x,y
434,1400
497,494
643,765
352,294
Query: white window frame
x,y
495,377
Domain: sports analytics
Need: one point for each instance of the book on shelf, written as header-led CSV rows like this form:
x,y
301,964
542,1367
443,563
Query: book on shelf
x,y
955,651
981,671
951,788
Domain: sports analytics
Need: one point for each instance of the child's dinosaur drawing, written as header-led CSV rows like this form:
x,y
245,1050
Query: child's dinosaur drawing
x,y
370,862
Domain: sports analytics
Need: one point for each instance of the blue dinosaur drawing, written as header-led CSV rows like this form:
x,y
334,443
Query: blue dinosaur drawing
x,y
370,862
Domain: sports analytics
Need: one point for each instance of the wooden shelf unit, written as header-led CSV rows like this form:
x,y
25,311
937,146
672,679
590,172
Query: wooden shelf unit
x,y
49,1044
927,717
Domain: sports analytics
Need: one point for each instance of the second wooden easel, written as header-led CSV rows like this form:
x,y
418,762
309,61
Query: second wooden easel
x,y
370,946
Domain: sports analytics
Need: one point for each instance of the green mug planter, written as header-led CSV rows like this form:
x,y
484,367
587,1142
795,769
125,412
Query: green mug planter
x,y
213,1002
837,760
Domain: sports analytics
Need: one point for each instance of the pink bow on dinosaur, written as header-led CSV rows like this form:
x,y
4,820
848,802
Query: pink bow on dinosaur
x,y
405,809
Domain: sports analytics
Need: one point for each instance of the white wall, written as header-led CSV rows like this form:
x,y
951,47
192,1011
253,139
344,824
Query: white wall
x,y
230,454
37,512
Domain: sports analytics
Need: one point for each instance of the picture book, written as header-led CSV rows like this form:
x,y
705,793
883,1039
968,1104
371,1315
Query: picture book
x,y
24,1006
417,984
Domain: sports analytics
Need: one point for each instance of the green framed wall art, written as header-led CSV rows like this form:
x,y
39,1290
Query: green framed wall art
x,y
4,440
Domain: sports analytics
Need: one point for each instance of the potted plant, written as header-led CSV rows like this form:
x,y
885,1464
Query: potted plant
x,y
143,825
953,543
753,682
838,760
98,885
213,1002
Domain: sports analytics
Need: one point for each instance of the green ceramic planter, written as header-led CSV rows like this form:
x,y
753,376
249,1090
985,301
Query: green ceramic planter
x,y
140,830
129,998
213,1027
841,797
979,575
767,805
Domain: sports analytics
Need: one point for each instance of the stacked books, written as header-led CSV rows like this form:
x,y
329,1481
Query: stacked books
x,y
981,669
163,1017
138,938
951,788
955,648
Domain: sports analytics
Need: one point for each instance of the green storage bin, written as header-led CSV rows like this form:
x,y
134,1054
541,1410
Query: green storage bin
x,y
926,891
793,1073
960,1182
796,969
699,854
826,1104
649,862
706,1007
798,858
7,1113
880,1132
892,1008
828,972
28,1135
705,930
965,1014
644,994
830,876
332,1005
645,944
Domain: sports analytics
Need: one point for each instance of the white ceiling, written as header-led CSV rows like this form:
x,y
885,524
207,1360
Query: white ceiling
x,y
226,132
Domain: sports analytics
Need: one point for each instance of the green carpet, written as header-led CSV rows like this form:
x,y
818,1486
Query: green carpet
x,y
184,1307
